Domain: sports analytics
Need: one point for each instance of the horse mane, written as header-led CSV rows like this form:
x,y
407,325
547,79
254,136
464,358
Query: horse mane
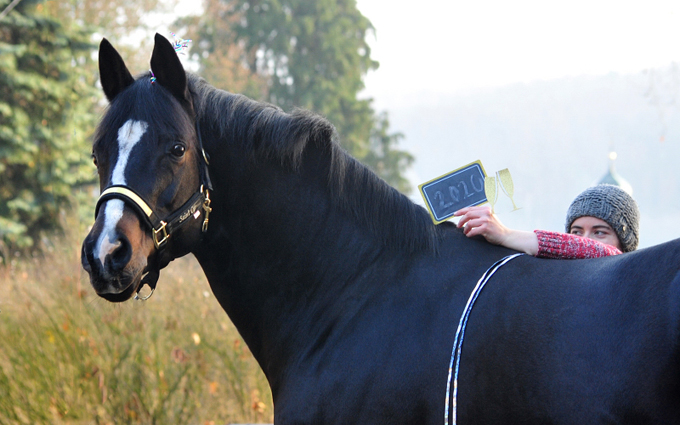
x,y
267,131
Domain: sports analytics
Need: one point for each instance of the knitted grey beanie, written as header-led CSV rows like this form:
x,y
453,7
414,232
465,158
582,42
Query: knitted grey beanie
x,y
611,204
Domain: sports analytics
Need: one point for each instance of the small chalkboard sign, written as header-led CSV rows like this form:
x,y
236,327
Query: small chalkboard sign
x,y
458,189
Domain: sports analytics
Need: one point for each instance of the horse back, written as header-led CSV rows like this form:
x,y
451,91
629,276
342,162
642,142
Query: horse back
x,y
587,341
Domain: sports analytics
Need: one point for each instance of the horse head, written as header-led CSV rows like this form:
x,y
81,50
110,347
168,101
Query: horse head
x,y
154,201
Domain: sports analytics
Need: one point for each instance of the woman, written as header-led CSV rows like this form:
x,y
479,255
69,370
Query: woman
x,y
603,220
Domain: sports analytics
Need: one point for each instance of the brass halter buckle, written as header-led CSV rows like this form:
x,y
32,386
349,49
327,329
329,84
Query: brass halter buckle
x,y
164,235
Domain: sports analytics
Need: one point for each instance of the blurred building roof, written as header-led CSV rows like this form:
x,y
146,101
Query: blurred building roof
x,y
612,177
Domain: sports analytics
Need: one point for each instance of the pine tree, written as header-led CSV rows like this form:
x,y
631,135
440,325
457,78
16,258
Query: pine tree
x,y
46,119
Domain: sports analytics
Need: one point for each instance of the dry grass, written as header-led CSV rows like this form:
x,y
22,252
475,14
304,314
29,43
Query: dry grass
x,y
69,357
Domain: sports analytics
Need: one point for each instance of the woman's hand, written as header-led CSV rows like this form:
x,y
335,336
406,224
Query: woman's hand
x,y
480,221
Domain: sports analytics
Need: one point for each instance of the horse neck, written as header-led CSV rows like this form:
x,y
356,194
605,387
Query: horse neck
x,y
279,254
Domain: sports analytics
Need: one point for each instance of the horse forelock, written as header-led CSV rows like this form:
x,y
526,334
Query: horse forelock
x,y
268,132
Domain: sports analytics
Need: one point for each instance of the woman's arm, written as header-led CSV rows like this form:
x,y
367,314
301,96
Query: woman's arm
x,y
540,243
570,247
479,221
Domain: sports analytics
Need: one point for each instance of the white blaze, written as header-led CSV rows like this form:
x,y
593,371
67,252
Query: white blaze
x,y
128,136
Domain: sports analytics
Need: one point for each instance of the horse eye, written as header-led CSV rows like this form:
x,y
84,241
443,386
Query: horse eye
x,y
94,160
178,150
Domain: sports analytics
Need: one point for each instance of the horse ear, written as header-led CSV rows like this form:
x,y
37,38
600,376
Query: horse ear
x,y
168,69
113,73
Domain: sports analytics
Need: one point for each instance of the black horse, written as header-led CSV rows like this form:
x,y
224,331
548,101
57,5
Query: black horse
x,y
346,293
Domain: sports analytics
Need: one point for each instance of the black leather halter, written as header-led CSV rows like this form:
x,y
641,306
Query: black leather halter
x,y
162,229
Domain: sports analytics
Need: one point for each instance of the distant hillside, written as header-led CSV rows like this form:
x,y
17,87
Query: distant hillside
x,y
555,137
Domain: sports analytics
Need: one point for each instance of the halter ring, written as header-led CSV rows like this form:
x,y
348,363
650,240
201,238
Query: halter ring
x,y
137,297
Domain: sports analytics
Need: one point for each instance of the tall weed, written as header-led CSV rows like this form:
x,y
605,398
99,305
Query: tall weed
x,y
69,357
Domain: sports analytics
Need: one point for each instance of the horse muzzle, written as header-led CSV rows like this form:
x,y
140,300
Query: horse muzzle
x,y
118,269
117,259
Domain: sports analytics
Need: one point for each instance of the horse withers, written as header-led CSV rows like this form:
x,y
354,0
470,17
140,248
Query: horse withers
x,y
345,292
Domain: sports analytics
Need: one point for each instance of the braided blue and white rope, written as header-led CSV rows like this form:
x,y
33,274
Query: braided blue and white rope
x,y
460,333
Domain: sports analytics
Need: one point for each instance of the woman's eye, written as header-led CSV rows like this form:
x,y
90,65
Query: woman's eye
x,y
178,150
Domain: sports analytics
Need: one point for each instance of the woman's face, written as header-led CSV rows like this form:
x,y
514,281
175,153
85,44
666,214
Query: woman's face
x,y
596,229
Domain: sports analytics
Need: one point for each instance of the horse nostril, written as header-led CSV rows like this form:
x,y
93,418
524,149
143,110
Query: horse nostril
x,y
111,253
120,256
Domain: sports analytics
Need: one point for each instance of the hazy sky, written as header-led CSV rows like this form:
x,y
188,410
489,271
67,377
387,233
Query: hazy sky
x,y
446,46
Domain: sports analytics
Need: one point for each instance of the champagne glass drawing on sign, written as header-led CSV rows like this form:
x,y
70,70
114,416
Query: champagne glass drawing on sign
x,y
491,191
507,186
